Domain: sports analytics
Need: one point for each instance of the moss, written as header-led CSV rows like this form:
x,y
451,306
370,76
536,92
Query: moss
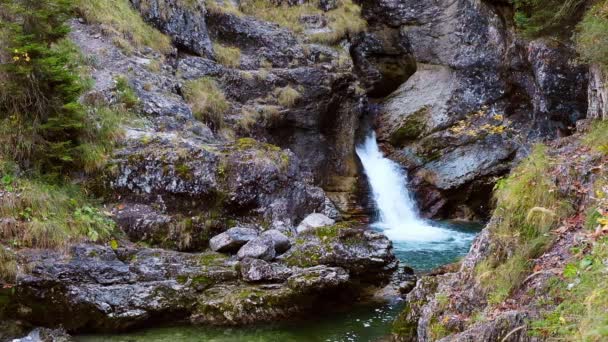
x,y
437,330
184,171
304,257
410,128
211,258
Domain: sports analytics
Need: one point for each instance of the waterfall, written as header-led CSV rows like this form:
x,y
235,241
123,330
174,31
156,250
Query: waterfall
x,y
398,216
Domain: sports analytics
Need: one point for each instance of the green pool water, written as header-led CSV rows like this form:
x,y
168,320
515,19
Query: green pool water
x,y
360,323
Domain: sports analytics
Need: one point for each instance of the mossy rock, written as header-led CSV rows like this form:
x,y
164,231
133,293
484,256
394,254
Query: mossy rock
x,y
410,128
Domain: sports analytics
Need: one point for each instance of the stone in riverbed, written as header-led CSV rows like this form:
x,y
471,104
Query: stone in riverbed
x,y
281,242
314,221
258,248
318,278
232,239
46,335
255,270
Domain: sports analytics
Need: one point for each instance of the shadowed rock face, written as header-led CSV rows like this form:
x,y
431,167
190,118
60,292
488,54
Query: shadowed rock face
x,y
479,97
97,288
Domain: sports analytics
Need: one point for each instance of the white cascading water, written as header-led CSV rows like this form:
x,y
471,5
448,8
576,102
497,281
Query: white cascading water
x,y
397,210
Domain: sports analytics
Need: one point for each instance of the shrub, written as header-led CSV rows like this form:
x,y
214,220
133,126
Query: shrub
x,y
43,215
119,18
207,101
287,96
592,35
547,17
228,56
42,123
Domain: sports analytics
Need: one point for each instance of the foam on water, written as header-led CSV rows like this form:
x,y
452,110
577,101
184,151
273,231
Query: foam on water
x,y
398,216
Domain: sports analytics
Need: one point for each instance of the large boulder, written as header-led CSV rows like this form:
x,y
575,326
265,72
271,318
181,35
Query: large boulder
x,y
314,221
185,24
232,239
363,253
256,270
281,241
259,248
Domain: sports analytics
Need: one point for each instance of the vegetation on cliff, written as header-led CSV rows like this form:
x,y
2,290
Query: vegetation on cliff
x,y
528,206
46,134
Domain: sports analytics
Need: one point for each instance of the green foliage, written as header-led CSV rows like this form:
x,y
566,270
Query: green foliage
x,y
582,314
207,101
120,19
8,266
547,17
227,55
39,214
126,95
592,35
597,137
528,207
42,123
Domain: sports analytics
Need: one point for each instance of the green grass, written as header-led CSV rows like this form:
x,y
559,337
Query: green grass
x,y
344,20
207,101
227,55
8,266
287,96
582,314
40,214
597,137
528,206
120,19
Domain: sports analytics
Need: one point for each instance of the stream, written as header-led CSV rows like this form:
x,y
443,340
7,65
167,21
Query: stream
x,y
421,244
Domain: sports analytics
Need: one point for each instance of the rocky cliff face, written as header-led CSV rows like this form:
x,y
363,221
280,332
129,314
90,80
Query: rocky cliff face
x,y
462,304
182,186
478,97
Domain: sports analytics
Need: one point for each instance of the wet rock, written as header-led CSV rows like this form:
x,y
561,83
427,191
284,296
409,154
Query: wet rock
x,y
46,335
363,253
96,288
314,221
186,25
318,278
306,290
281,242
232,239
256,270
258,248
